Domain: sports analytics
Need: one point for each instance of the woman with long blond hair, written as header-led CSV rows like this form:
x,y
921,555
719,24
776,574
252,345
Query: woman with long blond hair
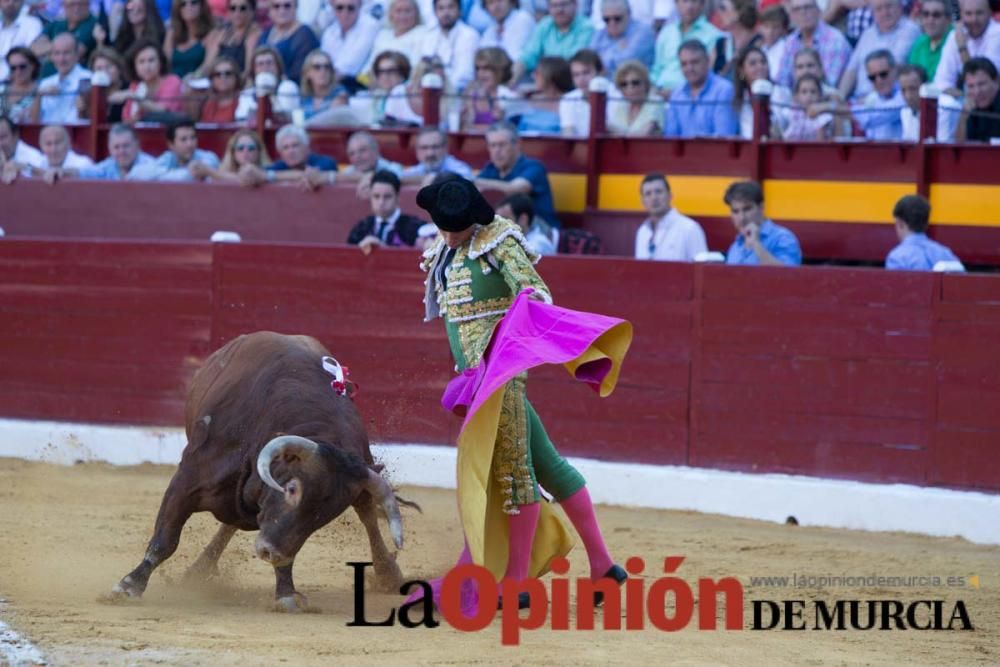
x,y
244,148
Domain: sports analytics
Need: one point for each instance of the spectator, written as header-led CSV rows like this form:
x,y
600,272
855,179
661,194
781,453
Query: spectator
x,y
183,161
78,21
15,155
58,154
510,29
485,99
981,97
109,64
243,148
190,23
17,29
125,159
574,108
978,36
915,251
349,39
298,163
510,172
935,21
366,158
58,92
890,32
807,61
387,225
142,24
758,240
19,99
542,238
691,26
752,65
702,107
560,34
639,111
800,125
666,235
774,28
831,45
320,90
404,33
433,158
622,38
392,101
284,92
452,42
910,78
224,94
739,21
878,113
552,80
154,93
292,40
237,37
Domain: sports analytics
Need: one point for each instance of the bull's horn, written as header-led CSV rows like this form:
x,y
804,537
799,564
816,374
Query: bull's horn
x,y
382,493
276,448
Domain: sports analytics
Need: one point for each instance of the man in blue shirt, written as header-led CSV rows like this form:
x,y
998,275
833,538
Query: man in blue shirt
x,y
184,161
758,240
509,172
703,106
915,251
125,159
623,38
878,112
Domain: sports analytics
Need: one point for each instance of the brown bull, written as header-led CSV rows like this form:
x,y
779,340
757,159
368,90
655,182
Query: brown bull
x,y
271,447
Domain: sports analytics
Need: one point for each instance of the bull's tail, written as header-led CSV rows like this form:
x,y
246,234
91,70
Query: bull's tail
x,y
408,503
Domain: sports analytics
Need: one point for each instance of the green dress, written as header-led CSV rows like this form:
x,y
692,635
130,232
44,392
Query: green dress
x,y
472,289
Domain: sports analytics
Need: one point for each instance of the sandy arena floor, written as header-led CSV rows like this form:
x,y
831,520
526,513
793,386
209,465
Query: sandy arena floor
x,y
68,534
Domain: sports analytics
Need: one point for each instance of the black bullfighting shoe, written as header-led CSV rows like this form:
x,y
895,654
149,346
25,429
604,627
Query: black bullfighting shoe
x,y
616,572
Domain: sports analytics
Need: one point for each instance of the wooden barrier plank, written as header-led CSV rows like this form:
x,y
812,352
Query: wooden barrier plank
x,y
965,458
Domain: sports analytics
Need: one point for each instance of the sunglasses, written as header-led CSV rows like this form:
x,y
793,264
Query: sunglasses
x,y
17,67
614,19
243,148
190,3
633,83
320,66
282,5
884,74
931,15
345,8
387,70
239,8
223,72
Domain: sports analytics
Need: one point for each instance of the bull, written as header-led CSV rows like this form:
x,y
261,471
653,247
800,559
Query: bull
x,y
271,447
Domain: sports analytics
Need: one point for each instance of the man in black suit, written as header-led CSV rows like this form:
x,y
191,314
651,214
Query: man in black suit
x,y
387,226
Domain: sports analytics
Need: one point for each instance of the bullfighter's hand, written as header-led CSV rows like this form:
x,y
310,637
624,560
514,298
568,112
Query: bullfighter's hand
x,y
369,243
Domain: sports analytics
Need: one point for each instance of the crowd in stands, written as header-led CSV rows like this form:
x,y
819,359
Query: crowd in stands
x,y
685,68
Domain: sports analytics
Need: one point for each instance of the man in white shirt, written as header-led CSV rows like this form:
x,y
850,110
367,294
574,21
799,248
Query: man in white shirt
x,y
59,91
977,36
574,107
15,155
16,29
666,235
511,28
453,42
55,144
349,39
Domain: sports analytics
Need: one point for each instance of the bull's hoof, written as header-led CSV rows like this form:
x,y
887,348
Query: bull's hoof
x,y
122,592
200,572
294,604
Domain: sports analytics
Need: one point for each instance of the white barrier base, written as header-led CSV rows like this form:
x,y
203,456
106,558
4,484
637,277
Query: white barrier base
x,y
811,500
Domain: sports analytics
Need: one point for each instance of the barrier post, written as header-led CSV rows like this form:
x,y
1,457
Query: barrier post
x,y
598,101
430,92
928,113
97,108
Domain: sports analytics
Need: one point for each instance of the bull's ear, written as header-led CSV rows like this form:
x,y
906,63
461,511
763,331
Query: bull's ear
x,y
293,492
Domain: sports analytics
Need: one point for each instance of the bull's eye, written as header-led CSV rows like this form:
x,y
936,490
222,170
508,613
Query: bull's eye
x,y
293,492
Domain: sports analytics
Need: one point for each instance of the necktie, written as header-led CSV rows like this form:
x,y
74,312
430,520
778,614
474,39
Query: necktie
x,y
383,230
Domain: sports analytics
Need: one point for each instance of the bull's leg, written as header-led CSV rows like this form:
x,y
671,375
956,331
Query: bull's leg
x,y
207,564
286,598
175,510
386,570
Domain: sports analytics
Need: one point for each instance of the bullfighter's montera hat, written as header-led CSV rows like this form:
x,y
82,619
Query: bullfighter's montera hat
x,y
455,204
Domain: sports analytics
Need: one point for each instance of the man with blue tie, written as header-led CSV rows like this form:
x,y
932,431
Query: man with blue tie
x,y
387,225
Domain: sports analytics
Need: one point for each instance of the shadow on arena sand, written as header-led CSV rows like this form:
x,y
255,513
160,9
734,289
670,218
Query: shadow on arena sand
x,y
67,534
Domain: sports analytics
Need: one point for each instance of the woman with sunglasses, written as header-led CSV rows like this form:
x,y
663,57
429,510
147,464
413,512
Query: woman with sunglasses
x,y
236,37
190,22
19,99
392,100
639,110
292,40
284,95
224,94
320,90
244,148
